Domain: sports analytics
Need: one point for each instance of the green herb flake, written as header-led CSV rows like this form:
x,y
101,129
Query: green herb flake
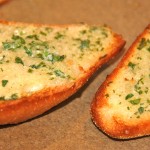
x,y
18,39
7,45
93,28
141,110
28,51
33,36
84,44
40,56
135,101
59,73
128,108
43,33
146,90
148,49
148,101
129,96
59,36
14,96
132,65
54,57
41,64
142,44
48,29
4,82
30,70
2,97
17,42
137,86
83,31
139,58
38,45
18,60
104,33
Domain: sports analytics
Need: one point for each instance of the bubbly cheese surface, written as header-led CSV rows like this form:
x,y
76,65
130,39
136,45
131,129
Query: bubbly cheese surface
x,y
132,97
33,58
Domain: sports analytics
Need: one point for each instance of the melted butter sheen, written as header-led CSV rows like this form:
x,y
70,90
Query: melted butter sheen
x,y
34,58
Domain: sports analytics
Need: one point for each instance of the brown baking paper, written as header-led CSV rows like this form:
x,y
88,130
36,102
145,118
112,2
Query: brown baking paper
x,y
68,126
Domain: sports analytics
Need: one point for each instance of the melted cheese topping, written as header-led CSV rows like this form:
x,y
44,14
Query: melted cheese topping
x,y
132,98
33,58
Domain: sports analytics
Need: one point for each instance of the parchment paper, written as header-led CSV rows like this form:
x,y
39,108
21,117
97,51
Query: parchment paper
x,y
68,126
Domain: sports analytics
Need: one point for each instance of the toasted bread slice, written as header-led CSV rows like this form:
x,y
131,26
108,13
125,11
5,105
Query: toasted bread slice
x,y
121,107
42,65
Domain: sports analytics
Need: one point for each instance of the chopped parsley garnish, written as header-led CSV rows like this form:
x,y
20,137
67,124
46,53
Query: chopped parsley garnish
x,y
129,96
30,70
43,33
135,101
148,101
17,42
28,51
139,58
93,28
141,110
14,96
18,38
59,73
104,33
132,65
54,57
18,60
83,31
142,43
146,90
84,44
4,82
41,64
128,108
34,36
59,36
48,29
2,98
148,49
137,86
33,44
38,45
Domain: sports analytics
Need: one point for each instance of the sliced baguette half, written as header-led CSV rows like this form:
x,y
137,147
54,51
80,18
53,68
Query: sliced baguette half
x,y
42,65
121,106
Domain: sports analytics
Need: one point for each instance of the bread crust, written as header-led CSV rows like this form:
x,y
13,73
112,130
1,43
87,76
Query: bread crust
x,y
116,128
15,111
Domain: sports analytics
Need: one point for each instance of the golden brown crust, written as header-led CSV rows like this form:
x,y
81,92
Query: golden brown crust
x,y
20,110
115,127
